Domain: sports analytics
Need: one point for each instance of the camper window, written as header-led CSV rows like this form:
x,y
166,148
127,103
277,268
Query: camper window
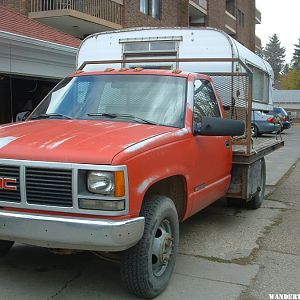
x,y
260,85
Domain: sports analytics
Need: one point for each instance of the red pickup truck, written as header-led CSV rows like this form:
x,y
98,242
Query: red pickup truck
x,y
112,161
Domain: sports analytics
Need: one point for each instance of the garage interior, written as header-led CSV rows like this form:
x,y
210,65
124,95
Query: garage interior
x,y
19,93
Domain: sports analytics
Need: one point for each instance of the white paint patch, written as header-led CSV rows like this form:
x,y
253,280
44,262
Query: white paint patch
x,y
58,143
4,141
145,184
142,144
181,132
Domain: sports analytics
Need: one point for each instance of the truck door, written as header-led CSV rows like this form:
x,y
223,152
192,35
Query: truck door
x,y
212,155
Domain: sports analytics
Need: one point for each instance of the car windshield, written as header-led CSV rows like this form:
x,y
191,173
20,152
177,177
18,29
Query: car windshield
x,y
152,99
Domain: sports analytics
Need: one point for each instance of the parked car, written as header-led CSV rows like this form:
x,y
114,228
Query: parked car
x,y
264,123
286,119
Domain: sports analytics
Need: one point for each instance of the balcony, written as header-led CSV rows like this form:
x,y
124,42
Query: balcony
x,y
230,23
257,16
258,46
197,12
79,17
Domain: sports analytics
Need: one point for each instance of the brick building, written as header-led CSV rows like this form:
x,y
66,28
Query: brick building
x,y
83,17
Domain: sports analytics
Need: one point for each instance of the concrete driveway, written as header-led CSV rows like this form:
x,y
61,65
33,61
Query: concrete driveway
x,y
224,253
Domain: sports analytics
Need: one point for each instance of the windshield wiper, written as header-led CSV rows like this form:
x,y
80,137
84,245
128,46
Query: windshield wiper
x,y
51,115
126,116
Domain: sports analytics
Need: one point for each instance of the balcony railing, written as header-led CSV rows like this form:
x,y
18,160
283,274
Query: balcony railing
x,y
257,16
201,3
257,42
230,21
109,10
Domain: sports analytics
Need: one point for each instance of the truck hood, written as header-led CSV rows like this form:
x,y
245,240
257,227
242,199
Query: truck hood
x,y
77,141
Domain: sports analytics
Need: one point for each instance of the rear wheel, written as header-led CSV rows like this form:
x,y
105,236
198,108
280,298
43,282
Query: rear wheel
x,y
5,247
257,200
147,267
254,130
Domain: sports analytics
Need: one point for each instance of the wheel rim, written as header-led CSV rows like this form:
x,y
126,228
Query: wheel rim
x,y
162,248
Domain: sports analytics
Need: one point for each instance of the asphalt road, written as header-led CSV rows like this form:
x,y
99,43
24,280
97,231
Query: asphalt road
x,y
225,253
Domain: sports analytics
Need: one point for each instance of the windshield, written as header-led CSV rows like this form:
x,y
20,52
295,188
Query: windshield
x,y
143,98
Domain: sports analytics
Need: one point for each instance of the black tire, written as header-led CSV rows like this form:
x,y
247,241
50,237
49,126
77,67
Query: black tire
x,y
147,267
255,131
5,247
257,200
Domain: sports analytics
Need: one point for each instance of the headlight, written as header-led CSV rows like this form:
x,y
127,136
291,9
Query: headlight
x,y
106,183
101,182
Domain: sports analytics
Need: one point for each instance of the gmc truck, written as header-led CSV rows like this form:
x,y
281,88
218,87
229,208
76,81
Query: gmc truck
x,y
112,160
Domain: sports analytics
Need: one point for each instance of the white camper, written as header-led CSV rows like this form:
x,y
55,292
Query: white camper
x,y
172,43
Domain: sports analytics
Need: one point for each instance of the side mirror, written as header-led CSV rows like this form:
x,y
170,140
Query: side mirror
x,y
22,116
211,126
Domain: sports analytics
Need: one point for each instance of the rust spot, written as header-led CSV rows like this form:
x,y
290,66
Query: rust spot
x,y
176,71
138,69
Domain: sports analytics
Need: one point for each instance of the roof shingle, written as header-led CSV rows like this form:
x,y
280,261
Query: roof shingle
x,y
13,22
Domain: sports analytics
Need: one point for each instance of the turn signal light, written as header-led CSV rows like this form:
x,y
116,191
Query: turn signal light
x,y
119,184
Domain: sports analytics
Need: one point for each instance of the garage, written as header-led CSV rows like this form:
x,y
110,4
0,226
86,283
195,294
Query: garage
x,y
33,58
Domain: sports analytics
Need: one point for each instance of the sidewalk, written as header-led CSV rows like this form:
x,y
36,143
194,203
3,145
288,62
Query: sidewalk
x,y
279,252
281,160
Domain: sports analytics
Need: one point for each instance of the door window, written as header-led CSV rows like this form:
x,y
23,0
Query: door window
x,y
205,101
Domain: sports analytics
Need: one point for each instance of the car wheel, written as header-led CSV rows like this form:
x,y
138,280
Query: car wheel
x,y
257,200
5,247
254,130
147,267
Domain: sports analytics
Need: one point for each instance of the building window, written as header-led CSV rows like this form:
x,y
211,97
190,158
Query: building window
x,y
144,6
155,8
155,12
241,18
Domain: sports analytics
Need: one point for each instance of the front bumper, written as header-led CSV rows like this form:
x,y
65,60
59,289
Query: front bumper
x,y
69,232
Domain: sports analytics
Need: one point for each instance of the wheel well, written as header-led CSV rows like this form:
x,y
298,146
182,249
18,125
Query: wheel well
x,y
173,187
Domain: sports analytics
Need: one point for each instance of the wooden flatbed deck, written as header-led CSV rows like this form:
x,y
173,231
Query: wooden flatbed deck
x,y
261,147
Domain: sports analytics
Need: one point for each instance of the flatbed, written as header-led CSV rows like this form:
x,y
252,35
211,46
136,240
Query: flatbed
x,y
260,147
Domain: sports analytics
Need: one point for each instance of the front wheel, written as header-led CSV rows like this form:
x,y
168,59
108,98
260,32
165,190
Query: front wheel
x,y
5,247
257,200
147,267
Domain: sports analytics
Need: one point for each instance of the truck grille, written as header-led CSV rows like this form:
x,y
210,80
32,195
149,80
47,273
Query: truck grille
x,y
10,172
49,187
